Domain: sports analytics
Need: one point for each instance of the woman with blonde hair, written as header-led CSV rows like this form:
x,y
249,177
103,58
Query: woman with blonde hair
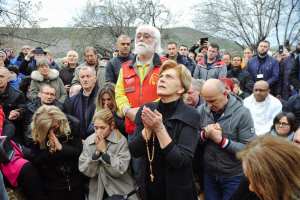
x,y
166,137
271,165
56,151
105,159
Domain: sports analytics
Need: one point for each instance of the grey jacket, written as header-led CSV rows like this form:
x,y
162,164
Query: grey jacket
x,y
114,177
217,71
37,80
237,125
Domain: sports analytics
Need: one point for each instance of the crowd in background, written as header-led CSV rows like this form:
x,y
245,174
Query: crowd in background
x,y
175,124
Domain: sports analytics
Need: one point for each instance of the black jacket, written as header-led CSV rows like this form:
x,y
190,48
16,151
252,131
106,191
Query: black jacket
x,y
295,73
59,170
67,74
293,105
176,158
12,99
113,67
74,106
186,61
243,192
246,82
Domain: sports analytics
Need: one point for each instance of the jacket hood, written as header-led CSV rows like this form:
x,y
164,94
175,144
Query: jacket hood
x,y
37,76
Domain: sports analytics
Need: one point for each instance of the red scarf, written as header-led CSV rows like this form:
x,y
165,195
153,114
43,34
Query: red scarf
x,y
2,117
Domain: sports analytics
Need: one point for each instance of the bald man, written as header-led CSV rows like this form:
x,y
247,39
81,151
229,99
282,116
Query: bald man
x,y
227,127
263,107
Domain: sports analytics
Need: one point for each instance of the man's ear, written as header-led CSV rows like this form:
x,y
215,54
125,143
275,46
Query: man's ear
x,y
39,94
225,93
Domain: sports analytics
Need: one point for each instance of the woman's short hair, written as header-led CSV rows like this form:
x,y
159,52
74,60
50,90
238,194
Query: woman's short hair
x,y
183,73
290,118
42,122
42,62
108,88
272,167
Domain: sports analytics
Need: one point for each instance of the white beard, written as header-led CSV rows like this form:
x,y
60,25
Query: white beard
x,y
141,48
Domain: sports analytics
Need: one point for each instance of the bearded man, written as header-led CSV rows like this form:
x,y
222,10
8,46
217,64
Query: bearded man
x,y
263,66
138,77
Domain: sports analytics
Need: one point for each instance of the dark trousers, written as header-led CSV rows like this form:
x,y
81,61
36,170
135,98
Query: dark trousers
x,y
31,183
74,194
220,187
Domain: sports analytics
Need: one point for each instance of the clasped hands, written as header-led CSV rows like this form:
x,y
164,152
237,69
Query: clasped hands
x,y
214,132
100,142
152,121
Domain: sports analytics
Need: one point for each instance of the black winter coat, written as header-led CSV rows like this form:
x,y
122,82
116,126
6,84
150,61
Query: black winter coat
x,y
74,106
175,160
113,67
246,82
59,170
13,99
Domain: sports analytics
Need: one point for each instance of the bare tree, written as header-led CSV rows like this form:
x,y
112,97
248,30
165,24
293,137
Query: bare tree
x,y
18,14
155,13
248,22
115,15
288,21
118,17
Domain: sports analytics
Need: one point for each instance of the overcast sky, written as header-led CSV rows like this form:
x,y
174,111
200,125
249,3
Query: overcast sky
x,y
59,13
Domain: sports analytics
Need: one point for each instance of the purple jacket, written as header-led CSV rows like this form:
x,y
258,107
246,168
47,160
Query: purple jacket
x,y
269,67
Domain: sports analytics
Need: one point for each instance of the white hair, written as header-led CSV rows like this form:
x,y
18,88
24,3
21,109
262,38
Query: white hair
x,y
154,32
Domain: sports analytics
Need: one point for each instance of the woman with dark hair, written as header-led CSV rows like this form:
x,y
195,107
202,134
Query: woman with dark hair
x,y
166,137
284,125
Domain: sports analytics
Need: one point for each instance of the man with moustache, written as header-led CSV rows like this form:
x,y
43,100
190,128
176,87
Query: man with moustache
x,y
138,77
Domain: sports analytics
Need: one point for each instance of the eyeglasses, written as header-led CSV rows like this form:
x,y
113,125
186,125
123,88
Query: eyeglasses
x,y
146,36
283,124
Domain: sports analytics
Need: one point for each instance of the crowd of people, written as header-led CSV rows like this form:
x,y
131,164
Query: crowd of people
x,y
183,123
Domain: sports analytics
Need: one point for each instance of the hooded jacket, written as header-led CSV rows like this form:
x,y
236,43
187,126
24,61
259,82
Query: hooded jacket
x,y
37,80
237,125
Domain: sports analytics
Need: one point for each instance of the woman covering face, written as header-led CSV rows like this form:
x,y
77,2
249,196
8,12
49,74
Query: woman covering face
x,y
105,159
56,151
166,136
